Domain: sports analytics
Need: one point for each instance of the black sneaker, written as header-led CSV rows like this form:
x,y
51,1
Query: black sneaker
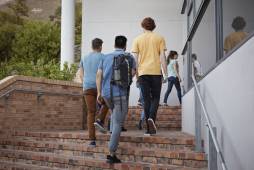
x,y
123,129
98,125
152,127
92,144
140,125
112,159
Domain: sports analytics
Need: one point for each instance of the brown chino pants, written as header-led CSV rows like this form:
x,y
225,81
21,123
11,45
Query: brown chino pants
x,y
91,100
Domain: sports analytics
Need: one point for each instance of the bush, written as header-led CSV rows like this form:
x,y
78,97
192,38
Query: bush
x,y
51,70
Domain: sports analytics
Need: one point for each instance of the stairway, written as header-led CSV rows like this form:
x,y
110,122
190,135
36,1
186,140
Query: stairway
x,y
169,149
168,118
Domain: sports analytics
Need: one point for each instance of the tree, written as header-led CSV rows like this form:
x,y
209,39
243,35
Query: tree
x,y
7,35
19,8
10,20
37,40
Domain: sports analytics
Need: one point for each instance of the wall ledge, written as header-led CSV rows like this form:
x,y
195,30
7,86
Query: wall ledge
x,y
11,79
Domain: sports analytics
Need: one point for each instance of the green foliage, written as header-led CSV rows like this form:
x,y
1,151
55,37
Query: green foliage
x,y
32,48
8,18
51,70
35,41
7,35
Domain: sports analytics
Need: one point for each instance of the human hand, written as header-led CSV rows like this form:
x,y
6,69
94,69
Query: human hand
x,y
99,98
179,78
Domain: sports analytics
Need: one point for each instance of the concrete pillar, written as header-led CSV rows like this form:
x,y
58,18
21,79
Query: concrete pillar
x,y
67,32
83,29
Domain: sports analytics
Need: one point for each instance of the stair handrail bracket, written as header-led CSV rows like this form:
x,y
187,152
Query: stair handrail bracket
x,y
209,125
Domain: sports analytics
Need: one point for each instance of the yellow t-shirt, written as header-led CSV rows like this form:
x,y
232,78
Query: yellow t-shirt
x,y
148,47
233,39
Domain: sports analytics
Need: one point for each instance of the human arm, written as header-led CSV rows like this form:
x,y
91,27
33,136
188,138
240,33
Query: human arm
x,y
135,52
195,70
134,65
98,84
136,73
81,73
163,63
163,58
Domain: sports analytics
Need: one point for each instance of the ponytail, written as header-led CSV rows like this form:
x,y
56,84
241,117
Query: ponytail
x,y
171,56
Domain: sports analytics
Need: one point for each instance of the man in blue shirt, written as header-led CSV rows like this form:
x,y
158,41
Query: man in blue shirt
x,y
115,97
88,67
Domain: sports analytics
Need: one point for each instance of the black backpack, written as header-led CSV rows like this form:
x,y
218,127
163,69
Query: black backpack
x,y
122,71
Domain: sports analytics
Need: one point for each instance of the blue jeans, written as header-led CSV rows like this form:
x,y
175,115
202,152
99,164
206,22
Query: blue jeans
x,y
173,81
118,115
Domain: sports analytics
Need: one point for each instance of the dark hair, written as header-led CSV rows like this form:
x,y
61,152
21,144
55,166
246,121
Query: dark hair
x,y
171,56
194,56
97,43
148,24
120,41
238,23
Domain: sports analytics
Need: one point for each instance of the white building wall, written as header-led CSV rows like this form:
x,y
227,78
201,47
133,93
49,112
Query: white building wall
x,y
228,94
107,18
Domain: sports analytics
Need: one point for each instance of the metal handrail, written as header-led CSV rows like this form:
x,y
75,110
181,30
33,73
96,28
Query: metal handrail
x,y
40,93
209,124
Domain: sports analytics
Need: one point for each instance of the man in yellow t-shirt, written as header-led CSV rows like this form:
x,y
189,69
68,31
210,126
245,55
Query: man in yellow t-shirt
x,y
236,37
149,50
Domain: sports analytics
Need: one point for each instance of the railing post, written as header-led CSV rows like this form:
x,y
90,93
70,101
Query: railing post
x,y
198,139
212,157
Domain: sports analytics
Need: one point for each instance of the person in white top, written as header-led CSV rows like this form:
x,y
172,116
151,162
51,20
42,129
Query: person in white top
x,y
197,70
173,76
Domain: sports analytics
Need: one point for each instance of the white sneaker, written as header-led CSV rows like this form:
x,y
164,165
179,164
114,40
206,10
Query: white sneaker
x,y
152,127
147,134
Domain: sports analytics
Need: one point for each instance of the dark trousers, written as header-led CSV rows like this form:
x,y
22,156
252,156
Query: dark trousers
x,y
173,81
151,89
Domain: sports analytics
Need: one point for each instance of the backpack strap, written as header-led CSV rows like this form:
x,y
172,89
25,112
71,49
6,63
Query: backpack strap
x,y
111,86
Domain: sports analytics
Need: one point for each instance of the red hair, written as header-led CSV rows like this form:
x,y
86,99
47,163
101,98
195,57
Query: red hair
x,y
148,24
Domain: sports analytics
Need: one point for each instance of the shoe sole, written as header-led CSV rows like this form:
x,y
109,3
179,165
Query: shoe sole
x,y
152,127
100,128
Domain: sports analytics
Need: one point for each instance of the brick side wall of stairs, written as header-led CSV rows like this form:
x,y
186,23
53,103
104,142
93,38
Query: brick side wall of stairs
x,y
25,110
